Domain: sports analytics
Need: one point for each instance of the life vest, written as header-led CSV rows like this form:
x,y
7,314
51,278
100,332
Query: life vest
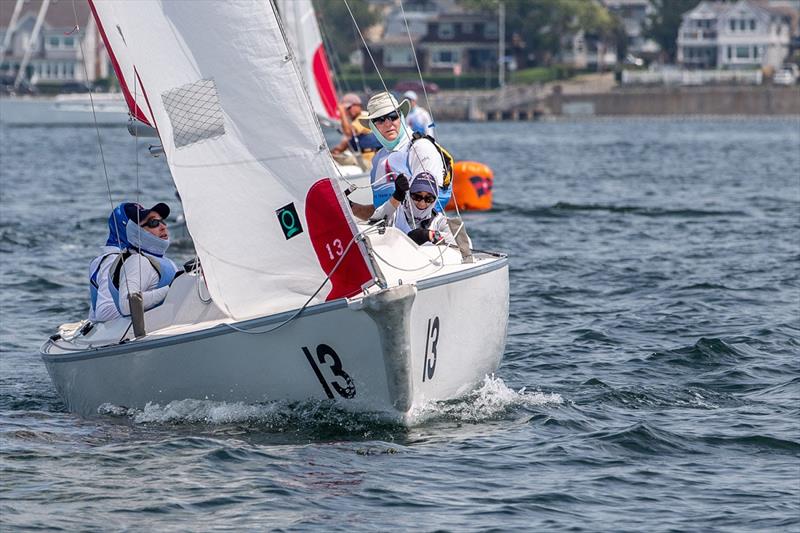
x,y
164,267
447,159
94,285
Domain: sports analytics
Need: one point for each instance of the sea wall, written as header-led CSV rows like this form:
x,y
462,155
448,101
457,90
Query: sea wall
x,y
728,100
535,102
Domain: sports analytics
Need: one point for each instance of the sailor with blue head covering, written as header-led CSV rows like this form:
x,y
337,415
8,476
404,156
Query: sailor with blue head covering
x,y
132,261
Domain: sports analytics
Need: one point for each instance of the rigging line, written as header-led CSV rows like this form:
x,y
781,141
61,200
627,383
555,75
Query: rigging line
x,y
385,88
97,131
416,62
364,42
310,298
327,45
425,91
138,188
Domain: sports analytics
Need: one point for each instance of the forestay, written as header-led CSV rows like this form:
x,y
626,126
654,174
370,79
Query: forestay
x,y
242,144
304,36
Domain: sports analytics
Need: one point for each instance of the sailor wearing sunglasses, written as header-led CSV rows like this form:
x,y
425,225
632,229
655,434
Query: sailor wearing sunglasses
x,y
416,217
132,261
398,155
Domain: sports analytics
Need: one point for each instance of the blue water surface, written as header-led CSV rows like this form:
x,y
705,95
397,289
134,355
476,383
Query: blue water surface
x,y
651,380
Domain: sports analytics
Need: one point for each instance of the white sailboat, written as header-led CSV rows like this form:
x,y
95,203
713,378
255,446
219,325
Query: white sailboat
x,y
295,300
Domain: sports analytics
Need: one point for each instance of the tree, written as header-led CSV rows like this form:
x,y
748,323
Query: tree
x,y
338,28
663,24
545,27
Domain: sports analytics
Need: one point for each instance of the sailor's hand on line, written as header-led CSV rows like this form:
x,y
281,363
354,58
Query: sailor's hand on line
x,y
401,187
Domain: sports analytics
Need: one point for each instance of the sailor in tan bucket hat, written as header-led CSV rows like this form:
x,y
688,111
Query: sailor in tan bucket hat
x,y
401,155
383,104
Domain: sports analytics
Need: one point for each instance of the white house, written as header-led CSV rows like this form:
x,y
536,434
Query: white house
x,y
56,52
743,34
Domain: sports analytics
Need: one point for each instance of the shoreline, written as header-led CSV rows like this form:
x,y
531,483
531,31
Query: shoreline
x,y
595,96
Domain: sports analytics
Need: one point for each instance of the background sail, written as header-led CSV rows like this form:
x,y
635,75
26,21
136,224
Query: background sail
x,y
123,68
303,32
241,141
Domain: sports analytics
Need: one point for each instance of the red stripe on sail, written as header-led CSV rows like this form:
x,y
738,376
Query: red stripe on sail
x,y
132,106
330,234
324,82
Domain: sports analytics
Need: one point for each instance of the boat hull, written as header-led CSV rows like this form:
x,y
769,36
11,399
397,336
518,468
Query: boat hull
x,y
76,110
388,352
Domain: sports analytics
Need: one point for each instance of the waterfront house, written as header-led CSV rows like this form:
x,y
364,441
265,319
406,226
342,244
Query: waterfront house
x,y
445,36
55,56
743,34
634,14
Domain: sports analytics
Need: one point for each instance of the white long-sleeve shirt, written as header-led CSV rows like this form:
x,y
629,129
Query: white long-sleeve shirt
x,y
391,214
422,156
138,275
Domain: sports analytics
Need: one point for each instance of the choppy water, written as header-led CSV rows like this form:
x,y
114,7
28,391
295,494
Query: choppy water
x,y
651,379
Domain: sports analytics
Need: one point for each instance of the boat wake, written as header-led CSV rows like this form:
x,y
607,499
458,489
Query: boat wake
x,y
493,400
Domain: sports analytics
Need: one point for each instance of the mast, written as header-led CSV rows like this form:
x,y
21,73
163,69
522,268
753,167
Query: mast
x,y
12,25
29,48
501,45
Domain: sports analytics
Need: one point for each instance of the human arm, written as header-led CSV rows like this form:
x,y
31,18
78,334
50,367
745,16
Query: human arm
x,y
347,126
438,232
138,275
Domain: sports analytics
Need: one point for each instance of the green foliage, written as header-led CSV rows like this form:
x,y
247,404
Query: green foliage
x,y
541,74
339,31
541,29
355,82
663,24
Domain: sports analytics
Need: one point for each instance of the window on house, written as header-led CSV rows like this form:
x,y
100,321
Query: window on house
x,y
490,30
53,42
69,42
755,52
742,52
742,24
398,57
733,25
445,58
730,52
468,28
752,24
446,30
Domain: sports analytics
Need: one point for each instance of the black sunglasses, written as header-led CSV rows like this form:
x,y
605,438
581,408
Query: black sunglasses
x,y
154,222
428,199
391,116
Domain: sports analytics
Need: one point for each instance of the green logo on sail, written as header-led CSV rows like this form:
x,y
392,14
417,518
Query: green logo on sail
x,y
290,222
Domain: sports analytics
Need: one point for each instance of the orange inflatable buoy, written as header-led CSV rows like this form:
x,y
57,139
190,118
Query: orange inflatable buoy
x,y
472,186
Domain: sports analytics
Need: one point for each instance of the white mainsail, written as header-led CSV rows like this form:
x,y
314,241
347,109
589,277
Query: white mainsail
x,y
243,147
306,40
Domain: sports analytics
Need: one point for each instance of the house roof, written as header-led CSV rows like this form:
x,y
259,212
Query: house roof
x,y
60,14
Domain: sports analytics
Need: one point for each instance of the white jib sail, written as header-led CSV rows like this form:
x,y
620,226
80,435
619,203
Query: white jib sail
x,y
303,32
240,138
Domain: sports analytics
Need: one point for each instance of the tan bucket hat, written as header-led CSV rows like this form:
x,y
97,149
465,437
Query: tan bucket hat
x,y
382,104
